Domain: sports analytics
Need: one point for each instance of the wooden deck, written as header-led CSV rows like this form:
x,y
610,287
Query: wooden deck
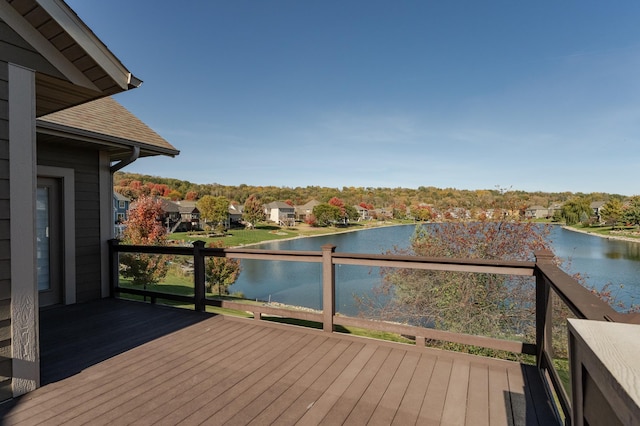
x,y
117,362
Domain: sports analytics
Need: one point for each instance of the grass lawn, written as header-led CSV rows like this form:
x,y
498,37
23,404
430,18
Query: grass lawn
x,y
619,231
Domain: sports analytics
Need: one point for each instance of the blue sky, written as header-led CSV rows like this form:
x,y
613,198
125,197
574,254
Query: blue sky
x,y
540,95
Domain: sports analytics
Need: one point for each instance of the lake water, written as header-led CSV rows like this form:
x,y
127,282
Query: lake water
x,y
601,260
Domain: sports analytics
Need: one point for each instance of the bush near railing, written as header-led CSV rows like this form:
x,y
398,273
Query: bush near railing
x,y
550,280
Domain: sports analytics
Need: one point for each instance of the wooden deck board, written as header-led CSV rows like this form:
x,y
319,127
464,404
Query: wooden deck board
x,y
500,412
197,368
365,407
434,399
455,404
478,397
412,401
392,398
343,406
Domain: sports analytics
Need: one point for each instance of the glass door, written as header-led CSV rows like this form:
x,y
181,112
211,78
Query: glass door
x,y
48,241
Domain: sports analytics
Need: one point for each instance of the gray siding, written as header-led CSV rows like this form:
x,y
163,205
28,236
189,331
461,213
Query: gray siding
x,y
87,211
5,240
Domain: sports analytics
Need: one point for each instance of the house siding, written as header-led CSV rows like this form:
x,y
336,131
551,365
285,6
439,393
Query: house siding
x,y
16,50
85,164
5,239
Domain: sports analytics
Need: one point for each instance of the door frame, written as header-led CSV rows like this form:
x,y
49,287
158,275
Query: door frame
x,y
68,255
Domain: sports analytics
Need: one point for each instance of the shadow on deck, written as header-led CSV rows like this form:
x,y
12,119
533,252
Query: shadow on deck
x,y
118,362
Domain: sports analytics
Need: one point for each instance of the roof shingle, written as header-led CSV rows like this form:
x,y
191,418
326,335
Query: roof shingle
x,y
108,117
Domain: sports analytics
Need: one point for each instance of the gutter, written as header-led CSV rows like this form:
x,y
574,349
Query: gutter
x,y
135,153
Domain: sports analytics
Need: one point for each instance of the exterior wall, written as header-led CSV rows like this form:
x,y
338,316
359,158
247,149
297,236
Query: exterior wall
x,y
16,50
5,240
85,163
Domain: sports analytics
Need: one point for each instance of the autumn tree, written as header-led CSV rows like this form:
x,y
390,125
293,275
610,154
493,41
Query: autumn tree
x,y
631,213
337,202
221,272
422,213
144,227
213,209
464,302
174,195
253,211
611,212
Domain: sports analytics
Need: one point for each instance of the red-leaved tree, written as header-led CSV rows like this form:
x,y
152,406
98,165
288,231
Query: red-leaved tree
x,y
464,302
144,227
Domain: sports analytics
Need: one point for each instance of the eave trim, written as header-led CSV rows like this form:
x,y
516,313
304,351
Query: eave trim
x,y
79,31
53,129
25,30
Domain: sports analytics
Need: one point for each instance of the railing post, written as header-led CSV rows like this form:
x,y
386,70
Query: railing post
x,y
328,287
114,266
544,312
198,276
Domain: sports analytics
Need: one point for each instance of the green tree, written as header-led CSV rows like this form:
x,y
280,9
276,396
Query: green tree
x,y
213,209
326,214
631,213
221,272
143,227
253,212
351,213
611,212
576,210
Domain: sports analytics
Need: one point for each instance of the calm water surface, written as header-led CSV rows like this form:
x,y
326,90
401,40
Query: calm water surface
x,y
297,283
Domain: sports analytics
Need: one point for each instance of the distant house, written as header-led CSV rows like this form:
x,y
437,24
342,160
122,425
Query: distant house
x,y
383,213
553,208
189,215
235,215
596,206
281,213
120,209
304,211
536,212
363,212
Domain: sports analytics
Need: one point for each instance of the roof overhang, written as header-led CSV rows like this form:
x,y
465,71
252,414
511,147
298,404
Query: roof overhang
x,y
118,148
87,69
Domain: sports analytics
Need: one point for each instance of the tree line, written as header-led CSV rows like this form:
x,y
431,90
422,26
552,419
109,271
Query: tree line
x,y
133,185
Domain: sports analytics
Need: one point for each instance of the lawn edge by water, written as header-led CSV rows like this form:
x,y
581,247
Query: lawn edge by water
x,y
607,236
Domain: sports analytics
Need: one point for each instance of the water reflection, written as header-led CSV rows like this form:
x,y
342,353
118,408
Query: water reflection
x,y
625,250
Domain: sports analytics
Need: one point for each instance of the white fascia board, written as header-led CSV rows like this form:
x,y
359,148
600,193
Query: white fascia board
x,y
25,30
79,31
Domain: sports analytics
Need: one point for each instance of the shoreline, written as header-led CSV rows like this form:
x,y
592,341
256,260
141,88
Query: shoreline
x,y
608,237
384,225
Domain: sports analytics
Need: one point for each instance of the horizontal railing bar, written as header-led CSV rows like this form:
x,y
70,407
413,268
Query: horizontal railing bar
x,y
437,266
447,336
316,258
438,260
176,250
263,309
156,294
